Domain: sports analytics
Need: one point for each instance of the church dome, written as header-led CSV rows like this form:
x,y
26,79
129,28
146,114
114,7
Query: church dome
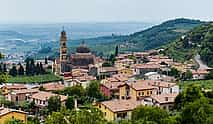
x,y
82,49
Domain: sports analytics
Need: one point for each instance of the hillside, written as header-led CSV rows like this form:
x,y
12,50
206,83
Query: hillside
x,y
150,38
163,33
198,41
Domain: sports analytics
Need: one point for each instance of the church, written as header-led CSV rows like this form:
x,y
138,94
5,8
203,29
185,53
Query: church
x,y
81,59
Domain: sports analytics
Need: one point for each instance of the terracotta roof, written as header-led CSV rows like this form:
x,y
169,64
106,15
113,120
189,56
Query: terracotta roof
x,y
121,105
120,77
147,66
108,69
53,86
148,84
85,78
141,85
200,71
7,110
165,98
46,95
16,86
126,60
25,91
112,85
162,84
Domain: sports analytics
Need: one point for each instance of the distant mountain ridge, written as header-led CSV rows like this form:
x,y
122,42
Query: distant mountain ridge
x,y
147,39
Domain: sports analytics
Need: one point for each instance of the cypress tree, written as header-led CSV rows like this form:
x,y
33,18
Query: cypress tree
x,y
116,50
46,61
13,71
32,67
1,69
42,71
4,67
20,70
27,67
38,71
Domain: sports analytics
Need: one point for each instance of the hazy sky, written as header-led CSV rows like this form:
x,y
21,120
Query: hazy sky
x,y
51,11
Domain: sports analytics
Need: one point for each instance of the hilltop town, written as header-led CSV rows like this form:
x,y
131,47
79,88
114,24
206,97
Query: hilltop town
x,y
116,86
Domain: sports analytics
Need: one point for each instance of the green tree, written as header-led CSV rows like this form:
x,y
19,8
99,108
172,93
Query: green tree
x,y
190,94
4,67
198,112
187,75
174,72
70,103
56,118
20,70
13,71
5,102
82,116
37,69
46,60
76,91
13,121
32,120
209,75
116,50
3,77
32,67
148,114
93,90
1,67
27,66
54,103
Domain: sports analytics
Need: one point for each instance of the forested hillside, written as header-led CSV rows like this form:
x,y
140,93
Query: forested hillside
x,y
198,41
150,38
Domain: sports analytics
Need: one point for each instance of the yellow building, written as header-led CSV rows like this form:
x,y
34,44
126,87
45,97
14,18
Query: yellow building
x,y
136,90
118,109
126,71
7,114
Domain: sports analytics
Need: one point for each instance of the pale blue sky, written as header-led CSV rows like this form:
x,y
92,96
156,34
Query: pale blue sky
x,y
53,11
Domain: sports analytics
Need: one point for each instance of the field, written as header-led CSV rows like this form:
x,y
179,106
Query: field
x,y
206,84
34,79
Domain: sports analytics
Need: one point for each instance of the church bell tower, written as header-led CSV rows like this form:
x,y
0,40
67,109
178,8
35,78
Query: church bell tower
x,y
63,51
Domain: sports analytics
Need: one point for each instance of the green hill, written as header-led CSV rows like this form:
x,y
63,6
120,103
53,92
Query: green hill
x,y
198,41
150,38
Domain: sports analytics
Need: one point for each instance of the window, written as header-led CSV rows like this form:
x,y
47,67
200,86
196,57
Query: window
x,y
99,106
105,113
139,94
40,101
44,102
16,98
170,90
122,97
122,115
142,93
150,92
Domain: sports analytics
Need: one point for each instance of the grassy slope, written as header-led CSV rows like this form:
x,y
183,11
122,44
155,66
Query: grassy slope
x,y
206,84
34,79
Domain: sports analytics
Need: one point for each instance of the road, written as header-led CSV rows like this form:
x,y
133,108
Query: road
x,y
200,62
